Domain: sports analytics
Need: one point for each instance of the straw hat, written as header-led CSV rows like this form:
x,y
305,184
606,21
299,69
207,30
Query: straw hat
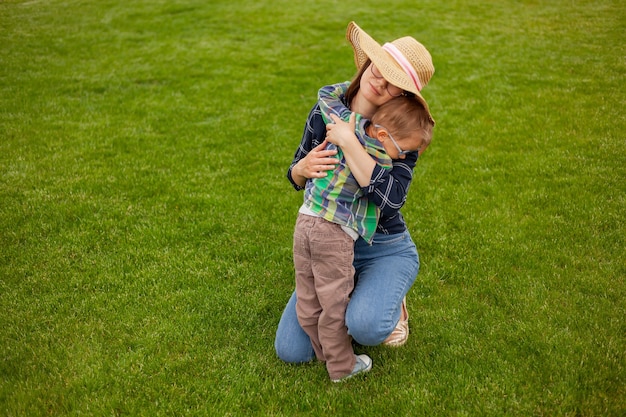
x,y
405,62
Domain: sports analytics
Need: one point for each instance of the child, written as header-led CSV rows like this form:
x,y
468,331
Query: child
x,y
335,213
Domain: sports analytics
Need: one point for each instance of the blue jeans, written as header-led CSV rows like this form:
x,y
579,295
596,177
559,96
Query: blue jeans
x,y
384,273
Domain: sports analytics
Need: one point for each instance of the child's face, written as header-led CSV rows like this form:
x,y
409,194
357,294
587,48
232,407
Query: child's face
x,y
395,148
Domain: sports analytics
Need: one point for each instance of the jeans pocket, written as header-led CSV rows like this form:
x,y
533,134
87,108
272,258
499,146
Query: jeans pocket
x,y
389,239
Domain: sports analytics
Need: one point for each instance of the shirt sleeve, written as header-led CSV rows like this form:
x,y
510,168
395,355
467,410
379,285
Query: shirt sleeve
x,y
330,101
313,135
388,188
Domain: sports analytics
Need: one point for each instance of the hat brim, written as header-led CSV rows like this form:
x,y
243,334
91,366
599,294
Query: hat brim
x,y
365,47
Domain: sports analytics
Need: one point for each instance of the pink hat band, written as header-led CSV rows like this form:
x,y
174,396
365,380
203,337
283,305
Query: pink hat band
x,y
404,64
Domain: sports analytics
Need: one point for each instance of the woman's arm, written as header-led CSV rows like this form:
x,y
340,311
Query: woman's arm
x,y
389,188
311,160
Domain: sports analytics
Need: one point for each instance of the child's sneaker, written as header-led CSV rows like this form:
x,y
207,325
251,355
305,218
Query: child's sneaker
x,y
362,365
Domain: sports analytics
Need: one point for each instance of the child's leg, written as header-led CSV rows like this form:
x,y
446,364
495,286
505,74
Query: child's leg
x,y
308,308
332,254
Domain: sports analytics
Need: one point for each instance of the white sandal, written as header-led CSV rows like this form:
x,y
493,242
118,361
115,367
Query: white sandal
x,y
400,334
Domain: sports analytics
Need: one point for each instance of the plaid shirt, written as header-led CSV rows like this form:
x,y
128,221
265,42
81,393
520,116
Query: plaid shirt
x,y
338,197
388,189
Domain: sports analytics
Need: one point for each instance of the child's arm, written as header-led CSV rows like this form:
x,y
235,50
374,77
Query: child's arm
x,y
386,188
332,107
343,135
329,99
331,104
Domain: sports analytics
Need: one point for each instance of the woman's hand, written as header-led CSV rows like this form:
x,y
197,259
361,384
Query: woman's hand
x,y
341,133
314,164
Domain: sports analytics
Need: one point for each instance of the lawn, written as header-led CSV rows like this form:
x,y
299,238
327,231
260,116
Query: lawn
x,y
146,221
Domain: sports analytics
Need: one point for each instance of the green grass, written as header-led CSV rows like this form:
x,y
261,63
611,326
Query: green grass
x,y
146,222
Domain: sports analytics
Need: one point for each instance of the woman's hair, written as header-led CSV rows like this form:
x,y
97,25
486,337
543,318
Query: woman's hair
x,y
354,86
407,120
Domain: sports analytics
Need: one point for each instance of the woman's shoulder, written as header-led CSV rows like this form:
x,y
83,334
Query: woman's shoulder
x,y
315,123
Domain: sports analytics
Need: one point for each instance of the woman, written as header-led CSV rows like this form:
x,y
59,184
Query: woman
x,y
386,269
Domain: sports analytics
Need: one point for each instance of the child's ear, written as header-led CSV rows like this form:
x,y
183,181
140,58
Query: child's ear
x,y
381,135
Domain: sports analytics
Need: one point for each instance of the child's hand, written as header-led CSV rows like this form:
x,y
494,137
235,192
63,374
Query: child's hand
x,y
341,132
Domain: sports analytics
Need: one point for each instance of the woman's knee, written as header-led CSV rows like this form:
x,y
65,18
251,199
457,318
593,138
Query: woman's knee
x,y
367,329
288,352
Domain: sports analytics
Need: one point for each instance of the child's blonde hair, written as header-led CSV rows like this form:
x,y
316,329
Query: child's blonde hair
x,y
407,120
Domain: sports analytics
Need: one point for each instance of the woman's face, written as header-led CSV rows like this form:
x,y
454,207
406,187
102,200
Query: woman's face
x,y
375,88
